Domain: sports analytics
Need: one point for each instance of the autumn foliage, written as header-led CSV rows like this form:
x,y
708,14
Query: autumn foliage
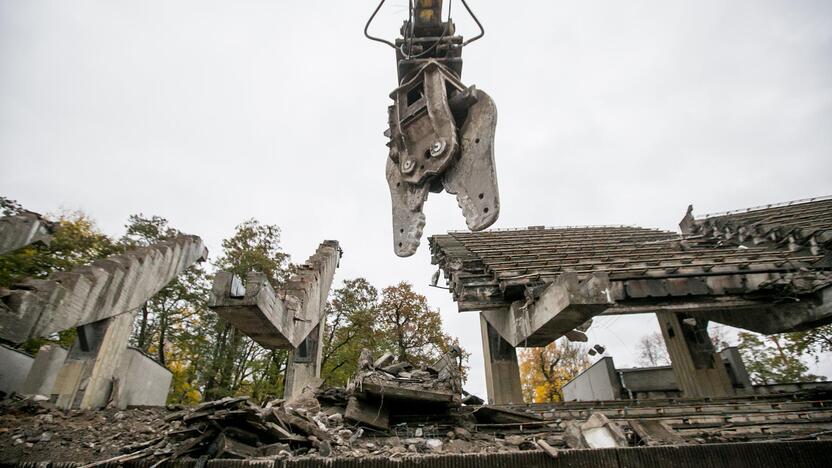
x,y
544,371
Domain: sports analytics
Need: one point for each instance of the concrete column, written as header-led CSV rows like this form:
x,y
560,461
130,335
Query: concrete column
x,y
304,365
502,373
740,379
86,378
44,371
699,369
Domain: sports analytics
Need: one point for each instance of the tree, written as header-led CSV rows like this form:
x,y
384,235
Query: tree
x,y
400,322
77,241
166,313
408,327
652,350
255,247
771,359
545,370
237,363
812,342
349,327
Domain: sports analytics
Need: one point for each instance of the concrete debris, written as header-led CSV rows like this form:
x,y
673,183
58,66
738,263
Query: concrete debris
x,y
471,400
380,389
384,360
548,449
651,432
24,229
236,428
596,432
239,428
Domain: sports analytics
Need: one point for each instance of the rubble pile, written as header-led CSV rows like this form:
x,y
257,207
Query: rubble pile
x,y
31,428
319,422
381,388
394,410
236,428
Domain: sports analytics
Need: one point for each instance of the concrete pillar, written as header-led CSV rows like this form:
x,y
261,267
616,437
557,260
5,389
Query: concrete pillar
x,y
502,373
44,371
304,365
740,379
86,378
699,369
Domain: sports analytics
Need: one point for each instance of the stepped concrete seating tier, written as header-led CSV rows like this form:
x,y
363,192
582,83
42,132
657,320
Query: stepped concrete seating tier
x,y
23,229
108,287
278,319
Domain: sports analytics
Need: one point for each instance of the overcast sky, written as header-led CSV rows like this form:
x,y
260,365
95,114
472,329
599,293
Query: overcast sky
x,y
610,112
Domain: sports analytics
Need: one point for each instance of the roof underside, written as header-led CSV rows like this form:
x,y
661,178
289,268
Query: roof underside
x,y
783,247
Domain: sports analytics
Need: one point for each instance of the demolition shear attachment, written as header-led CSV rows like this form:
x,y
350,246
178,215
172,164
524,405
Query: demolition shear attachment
x,y
441,137
441,132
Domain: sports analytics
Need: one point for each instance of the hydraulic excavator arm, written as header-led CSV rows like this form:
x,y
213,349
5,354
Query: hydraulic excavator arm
x,y
441,131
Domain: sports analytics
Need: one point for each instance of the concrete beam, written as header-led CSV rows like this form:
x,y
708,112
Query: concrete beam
x,y
699,370
88,294
254,308
502,372
24,229
807,312
557,309
278,319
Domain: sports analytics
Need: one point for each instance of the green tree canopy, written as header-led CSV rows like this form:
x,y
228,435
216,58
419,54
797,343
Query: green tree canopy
x,y
772,359
400,322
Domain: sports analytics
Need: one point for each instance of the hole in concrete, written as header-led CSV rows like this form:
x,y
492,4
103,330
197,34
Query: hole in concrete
x,y
427,154
401,230
477,140
398,184
481,195
400,244
485,210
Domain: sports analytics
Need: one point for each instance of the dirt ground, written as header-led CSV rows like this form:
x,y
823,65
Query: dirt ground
x,y
38,432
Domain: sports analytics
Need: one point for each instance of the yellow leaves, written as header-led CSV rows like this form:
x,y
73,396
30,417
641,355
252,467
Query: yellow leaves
x,y
183,390
544,371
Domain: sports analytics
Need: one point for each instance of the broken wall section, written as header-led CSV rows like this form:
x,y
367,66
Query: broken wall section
x,y
290,318
24,229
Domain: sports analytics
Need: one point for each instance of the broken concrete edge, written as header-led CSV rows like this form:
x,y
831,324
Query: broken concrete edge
x,y
24,229
282,318
105,288
253,307
552,311
375,392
